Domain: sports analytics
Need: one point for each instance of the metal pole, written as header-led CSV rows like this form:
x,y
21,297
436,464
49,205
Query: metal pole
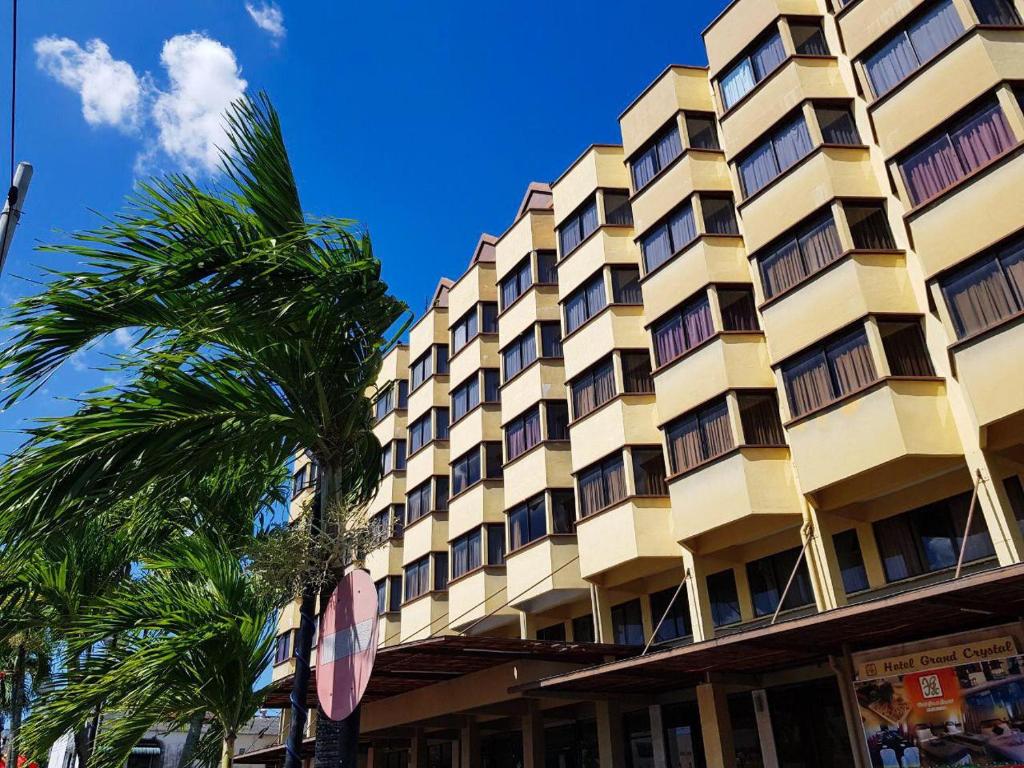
x,y
967,528
796,566
668,608
11,214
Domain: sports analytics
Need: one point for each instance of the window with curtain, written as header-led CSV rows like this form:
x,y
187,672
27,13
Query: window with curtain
x,y
417,502
466,554
578,227
466,470
556,418
382,596
397,520
905,350
395,593
929,538
602,485
987,289
384,404
515,283
719,214
585,302
440,570
737,307
626,285
649,471
465,397
492,385
999,13
547,273
520,353
828,372
441,417
669,237
943,159
563,510
495,543
551,339
380,526
299,483
753,66
492,460
419,433
441,493
810,247
393,456
677,618
441,358
682,330
759,417
617,210
725,603
869,226
403,394
851,561
636,373
780,150
911,45
527,522
627,623
417,578
420,369
808,38
593,388
656,155
768,577
522,433
464,330
699,436
837,124
702,129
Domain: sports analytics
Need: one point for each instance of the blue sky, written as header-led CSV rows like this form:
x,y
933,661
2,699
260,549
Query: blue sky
x,y
425,121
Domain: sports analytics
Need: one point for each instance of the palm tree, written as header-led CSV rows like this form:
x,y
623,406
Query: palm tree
x,y
27,656
260,332
195,633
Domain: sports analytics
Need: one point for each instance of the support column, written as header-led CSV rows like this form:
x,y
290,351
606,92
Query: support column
x,y
602,615
843,667
469,744
533,736
658,737
611,749
719,749
697,596
418,749
375,757
995,506
765,734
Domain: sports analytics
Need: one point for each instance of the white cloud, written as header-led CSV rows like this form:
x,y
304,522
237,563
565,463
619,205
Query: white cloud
x,y
78,361
204,79
269,18
111,92
123,338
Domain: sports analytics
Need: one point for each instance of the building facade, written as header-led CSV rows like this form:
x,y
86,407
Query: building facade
x,y
751,380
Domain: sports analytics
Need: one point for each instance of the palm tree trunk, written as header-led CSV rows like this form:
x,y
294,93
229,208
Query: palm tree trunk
x,y
17,701
227,750
195,730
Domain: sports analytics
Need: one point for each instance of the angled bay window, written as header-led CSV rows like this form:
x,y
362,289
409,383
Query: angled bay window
x,y
465,397
626,285
1000,13
466,553
441,423
669,237
556,419
527,522
725,602
420,432
780,150
756,63
392,457
593,388
464,329
440,562
563,510
585,302
578,227
683,329
676,612
520,353
417,502
602,485
656,155
441,359
790,260
760,419
627,623
495,543
828,372
466,470
649,471
837,124
636,373
737,307
851,561
488,317
701,128
547,272
384,404
944,158
492,385
869,226
417,578
522,433
719,214
421,369
768,577
808,38
912,45
987,289
515,283
550,339
904,346
699,436
617,210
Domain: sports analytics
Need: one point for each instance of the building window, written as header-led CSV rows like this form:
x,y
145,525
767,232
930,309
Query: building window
x,y
737,308
488,317
440,570
492,460
392,457
753,67
384,404
299,480
520,353
768,577
828,372
527,522
636,373
417,502
585,302
441,493
782,149
492,385
725,604
913,45
869,226
420,432
382,596
421,369
649,472
593,388
515,284
944,159
602,485
851,561
656,156
719,214
986,290
669,237
563,511
395,589
699,436
553,634
578,227
466,470
837,125
522,433
929,538
810,247
583,629
441,359
617,210
417,578
808,38
547,272
626,285
556,417
465,329
1000,13
905,351
683,330
759,416
466,553
495,543
465,397
677,618
441,419
701,129
283,648
627,623
551,339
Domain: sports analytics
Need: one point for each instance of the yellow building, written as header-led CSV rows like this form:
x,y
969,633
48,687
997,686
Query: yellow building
x,y
714,457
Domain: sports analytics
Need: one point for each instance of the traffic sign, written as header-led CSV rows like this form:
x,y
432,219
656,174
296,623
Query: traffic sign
x,y
347,646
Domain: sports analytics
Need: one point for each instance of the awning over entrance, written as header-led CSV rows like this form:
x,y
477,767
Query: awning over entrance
x,y
970,602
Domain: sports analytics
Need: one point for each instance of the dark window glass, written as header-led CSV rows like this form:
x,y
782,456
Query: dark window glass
x,y
464,330
577,227
283,648
492,382
488,317
397,521
522,433
655,156
395,586
465,398
677,620
745,734
420,369
627,623
759,416
551,339
702,131
869,226
515,284
563,511
737,307
987,289
808,38
492,460
827,373
649,472
466,553
417,578
441,418
768,577
441,354
547,273
382,596
719,215
440,571
699,436
636,373
417,502
466,470
851,561
616,207
837,125
553,634
520,353
441,493
810,729
626,285
669,237
725,604
602,485
585,302
1000,13
403,394
299,480
755,65
495,543
583,629
1015,491
527,522
905,351
557,417
684,745
420,432
785,145
811,246
384,404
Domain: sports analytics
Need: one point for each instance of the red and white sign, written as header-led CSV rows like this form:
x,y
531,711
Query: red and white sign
x,y
348,645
